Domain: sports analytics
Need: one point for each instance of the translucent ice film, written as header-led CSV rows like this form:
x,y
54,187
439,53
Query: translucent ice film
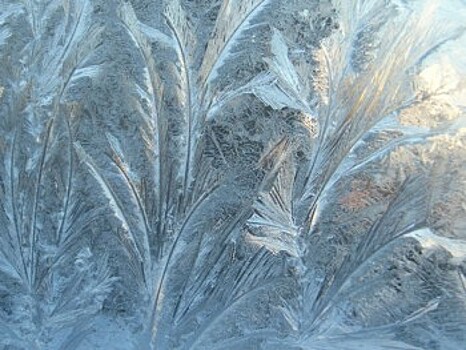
x,y
233,174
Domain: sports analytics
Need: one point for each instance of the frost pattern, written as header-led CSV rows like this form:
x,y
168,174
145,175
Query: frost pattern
x,y
236,174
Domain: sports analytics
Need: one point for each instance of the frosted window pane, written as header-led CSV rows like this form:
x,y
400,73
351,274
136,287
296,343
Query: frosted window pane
x,y
232,174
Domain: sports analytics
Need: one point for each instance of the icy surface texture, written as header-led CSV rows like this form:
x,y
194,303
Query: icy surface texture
x,y
232,174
